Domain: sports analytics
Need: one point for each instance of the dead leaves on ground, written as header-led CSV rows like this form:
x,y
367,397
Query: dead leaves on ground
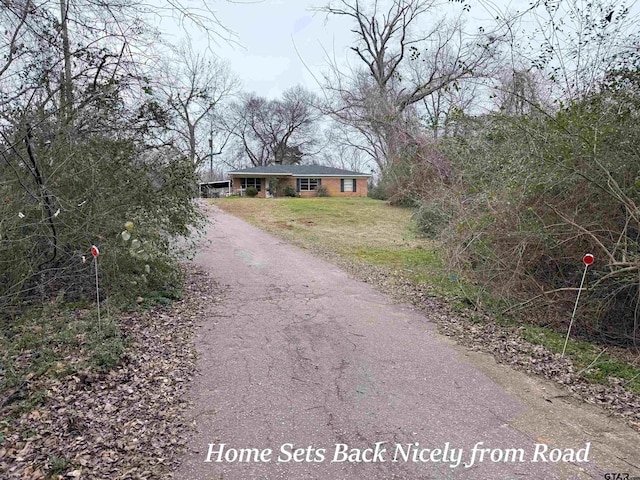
x,y
125,423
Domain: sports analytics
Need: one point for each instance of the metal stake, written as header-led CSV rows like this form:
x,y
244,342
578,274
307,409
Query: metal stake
x,y
95,252
588,260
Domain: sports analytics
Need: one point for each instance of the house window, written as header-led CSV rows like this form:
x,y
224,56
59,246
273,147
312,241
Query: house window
x,y
308,184
251,182
347,184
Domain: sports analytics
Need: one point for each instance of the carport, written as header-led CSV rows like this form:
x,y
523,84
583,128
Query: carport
x,y
219,188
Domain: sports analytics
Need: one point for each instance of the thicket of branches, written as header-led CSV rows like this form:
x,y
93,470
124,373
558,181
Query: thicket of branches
x,y
534,194
521,152
85,154
280,131
554,174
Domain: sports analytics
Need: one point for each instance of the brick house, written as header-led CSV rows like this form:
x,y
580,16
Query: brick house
x,y
305,179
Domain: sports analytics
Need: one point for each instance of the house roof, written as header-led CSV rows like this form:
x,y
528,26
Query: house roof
x,y
217,184
299,171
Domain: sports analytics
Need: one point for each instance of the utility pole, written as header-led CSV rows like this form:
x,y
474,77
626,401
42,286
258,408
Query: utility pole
x,y
211,155
66,95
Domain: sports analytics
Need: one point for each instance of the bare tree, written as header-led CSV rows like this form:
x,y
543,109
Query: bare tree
x,y
55,47
341,152
450,89
377,99
278,131
242,119
522,92
441,111
194,89
579,41
290,127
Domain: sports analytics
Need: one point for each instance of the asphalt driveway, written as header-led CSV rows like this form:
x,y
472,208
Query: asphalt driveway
x,y
307,373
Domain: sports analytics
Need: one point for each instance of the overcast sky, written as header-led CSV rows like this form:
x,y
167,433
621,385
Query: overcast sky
x,y
270,31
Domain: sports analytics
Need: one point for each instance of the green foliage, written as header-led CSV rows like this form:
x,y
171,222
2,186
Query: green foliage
x,y
594,364
323,191
162,297
105,183
431,218
72,174
537,192
393,185
378,192
251,192
415,175
289,191
57,465
273,186
67,184
42,340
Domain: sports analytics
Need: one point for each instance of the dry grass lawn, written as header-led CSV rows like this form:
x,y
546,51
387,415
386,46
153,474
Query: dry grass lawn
x,y
342,225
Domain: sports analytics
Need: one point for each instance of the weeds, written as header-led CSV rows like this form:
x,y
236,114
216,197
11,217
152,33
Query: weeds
x,y
57,465
53,341
594,365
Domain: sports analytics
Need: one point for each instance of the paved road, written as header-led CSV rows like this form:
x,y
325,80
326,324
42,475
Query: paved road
x,y
300,356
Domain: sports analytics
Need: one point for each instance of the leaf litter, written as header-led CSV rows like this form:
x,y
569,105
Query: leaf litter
x,y
125,423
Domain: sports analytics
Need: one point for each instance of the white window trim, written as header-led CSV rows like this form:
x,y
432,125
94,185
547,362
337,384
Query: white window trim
x,y
318,182
257,183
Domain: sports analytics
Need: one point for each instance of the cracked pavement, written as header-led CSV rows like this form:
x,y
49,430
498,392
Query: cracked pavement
x,y
299,353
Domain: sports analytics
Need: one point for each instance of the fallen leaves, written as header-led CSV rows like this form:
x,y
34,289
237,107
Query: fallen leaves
x,y
126,423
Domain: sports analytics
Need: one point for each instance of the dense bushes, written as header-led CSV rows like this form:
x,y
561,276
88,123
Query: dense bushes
x,y
82,194
251,192
532,194
289,191
323,191
416,175
430,218
85,148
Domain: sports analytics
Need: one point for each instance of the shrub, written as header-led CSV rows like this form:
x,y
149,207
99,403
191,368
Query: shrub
x,y
251,192
273,186
323,191
537,194
44,242
378,192
289,191
399,185
431,218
